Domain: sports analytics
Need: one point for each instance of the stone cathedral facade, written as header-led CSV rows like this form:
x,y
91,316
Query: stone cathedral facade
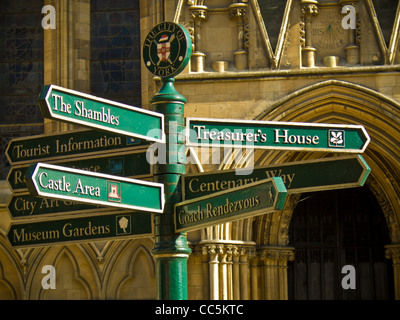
x,y
315,61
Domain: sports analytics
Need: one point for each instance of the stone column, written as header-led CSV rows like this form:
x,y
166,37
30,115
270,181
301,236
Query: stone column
x,y
236,274
67,51
352,50
309,8
238,10
393,252
274,260
213,252
199,12
254,279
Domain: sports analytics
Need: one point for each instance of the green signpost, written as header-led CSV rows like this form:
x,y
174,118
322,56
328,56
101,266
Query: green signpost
x,y
76,107
127,164
300,176
276,135
69,144
166,51
238,203
64,183
124,225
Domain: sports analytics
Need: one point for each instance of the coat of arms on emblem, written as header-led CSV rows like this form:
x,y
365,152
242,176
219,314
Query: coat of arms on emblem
x,y
164,48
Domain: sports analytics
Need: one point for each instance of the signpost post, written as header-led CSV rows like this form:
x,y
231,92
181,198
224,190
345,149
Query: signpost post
x,y
58,182
166,51
233,204
276,135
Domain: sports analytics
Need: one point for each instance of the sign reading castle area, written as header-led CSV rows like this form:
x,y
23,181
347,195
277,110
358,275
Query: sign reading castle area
x,y
58,182
76,107
237,203
276,135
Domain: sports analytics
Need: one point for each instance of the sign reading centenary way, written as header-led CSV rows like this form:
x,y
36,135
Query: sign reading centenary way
x,y
276,135
76,107
167,49
67,145
58,182
300,176
102,227
229,205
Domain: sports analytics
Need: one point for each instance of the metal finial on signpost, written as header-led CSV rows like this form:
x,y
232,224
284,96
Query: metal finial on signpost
x,y
166,52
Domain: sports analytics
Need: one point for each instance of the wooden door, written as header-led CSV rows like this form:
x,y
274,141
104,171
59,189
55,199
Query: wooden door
x,y
332,229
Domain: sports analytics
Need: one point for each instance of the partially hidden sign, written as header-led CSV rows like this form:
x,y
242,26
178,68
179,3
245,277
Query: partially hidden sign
x,y
58,182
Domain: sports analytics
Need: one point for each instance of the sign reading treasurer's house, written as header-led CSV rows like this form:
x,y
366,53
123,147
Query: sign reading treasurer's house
x,y
76,107
238,203
82,229
94,188
276,135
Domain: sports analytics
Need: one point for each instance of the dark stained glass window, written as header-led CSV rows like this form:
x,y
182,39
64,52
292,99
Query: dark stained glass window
x,y
115,50
21,72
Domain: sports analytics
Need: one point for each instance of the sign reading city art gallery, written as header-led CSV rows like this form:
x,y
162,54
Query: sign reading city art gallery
x,y
238,203
58,182
300,176
276,135
74,230
68,144
72,106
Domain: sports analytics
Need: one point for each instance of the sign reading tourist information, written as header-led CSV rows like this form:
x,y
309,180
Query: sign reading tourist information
x,y
238,203
58,182
126,225
67,145
300,176
276,135
72,106
167,49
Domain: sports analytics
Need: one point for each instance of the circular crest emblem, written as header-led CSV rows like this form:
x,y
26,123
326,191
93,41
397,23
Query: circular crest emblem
x,y
167,49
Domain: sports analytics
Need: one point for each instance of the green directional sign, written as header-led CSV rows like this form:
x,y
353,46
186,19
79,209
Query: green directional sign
x,y
76,107
124,225
300,176
238,203
276,135
25,206
128,164
69,144
64,183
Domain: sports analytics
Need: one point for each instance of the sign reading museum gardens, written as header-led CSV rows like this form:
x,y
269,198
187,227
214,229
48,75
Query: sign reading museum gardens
x,y
101,227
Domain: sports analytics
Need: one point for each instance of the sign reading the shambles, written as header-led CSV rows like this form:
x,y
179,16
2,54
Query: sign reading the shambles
x,y
58,182
276,135
72,106
83,229
238,203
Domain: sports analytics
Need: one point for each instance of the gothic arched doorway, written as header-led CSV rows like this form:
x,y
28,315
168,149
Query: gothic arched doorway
x,y
332,229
